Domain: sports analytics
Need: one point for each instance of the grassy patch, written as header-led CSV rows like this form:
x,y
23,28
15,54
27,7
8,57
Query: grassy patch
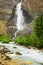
x,y
4,38
31,40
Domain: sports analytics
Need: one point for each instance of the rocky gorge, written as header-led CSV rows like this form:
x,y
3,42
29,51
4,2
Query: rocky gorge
x,y
7,14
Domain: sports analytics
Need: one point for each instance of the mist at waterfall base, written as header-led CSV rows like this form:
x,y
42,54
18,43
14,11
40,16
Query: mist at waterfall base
x,y
21,25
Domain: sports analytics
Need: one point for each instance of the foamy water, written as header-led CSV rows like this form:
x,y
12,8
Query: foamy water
x,y
27,54
20,23
20,19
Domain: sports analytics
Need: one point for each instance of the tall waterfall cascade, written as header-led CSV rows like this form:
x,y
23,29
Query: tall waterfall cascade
x,y
21,25
20,19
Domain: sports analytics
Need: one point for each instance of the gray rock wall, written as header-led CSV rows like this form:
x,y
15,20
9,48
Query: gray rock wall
x,y
8,8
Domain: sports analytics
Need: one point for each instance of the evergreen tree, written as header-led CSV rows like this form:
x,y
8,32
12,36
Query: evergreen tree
x,y
39,26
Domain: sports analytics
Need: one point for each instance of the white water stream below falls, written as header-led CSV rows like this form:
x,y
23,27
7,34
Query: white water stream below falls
x,y
34,55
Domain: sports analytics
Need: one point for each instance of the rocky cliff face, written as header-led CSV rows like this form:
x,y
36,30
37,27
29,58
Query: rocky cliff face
x,y
3,28
34,5
7,12
6,7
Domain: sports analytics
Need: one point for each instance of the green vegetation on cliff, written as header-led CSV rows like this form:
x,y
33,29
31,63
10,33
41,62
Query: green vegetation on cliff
x,y
4,38
36,38
38,26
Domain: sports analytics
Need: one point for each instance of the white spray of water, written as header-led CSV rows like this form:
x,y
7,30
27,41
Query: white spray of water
x,y
15,34
21,25
20,19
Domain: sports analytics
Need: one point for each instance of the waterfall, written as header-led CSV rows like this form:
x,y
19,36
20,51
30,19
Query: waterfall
x,y
15,33
20,19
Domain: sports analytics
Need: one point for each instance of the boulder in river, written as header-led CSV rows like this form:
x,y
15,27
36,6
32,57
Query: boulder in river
x,y
14,47
18,53
29,47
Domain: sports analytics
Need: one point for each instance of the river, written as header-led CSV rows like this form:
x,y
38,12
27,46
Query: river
x,y
27,54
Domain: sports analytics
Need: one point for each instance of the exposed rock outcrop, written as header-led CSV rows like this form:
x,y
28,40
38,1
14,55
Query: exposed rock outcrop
x,y
34,5
3,27
5,59
18,53
31,8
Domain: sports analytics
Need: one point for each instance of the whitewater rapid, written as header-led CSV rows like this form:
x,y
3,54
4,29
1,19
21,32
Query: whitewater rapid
x,y
27,54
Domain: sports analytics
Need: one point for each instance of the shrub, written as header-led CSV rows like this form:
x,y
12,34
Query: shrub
x,y
31,40
38,26
21,40
4,38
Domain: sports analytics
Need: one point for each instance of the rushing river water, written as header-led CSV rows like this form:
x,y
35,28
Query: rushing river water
x,y
34,55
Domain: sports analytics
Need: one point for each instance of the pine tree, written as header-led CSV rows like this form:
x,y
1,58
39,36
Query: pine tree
x,y
39,26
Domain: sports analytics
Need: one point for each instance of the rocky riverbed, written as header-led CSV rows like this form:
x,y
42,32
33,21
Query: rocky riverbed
x,y
5,59
11,54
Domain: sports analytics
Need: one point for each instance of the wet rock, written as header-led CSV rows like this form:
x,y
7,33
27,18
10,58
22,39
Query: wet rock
x,y
14,47
1,47
16,43
18,53
41,63
7,58
11,52
4,50
0,62
29,47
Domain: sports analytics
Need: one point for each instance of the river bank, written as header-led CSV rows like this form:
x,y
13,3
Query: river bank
x,y
21,55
